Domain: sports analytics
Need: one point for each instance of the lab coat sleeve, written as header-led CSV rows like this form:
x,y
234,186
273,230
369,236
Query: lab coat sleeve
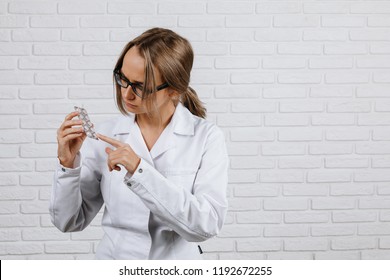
x,y
76,197
196,215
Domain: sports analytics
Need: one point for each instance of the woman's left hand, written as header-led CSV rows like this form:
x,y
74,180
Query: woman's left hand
x,y
123,155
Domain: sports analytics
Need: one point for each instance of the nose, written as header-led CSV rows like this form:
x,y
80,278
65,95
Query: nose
x,y
129,93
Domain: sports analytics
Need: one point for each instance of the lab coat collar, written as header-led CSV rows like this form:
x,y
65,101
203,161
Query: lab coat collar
x,y
182,122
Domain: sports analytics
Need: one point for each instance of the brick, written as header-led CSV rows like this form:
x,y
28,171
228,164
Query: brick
x,y
54,21
354,216
36,179
352,107
283,149
38,92
238,91
301,163
305,190
296,21
43,234
284,63
18,165
300,107
9,235
286,231
384,216
8,93
104,21
131,8
381,77
242,256
218,245
284,92
14,137
201,21
325,35
333,230
251,134
11,78
289,256
252,78
48,49
244,204
352,189
331,91
88,7
326,8
339,255
67,247
281,177
256,190
373,91
278,8
380,48
9,151
228,35
53,108
328,176
42,63
9,207
282,120
253,107
383,190
370,8
331,62
33,7
230,7
375,255
146,21
306,244
285,204
179,8
36,150
300,48
300,78
19,220
13,21
104,49
347,77
209,77
46,137
249,48
248,21
369,35
345,48
384,243
83,35
338,134
258,244
378,21
239,120
382,106
373,148
236,63
23,248
259,217
251,162
306,217
8,180
35,35
7,63
240,231
373,62
352,243
201,48
36,207
59,78
347,163
343,21
332,203
98,78
242,150
373,120
14,49
299,134
374,203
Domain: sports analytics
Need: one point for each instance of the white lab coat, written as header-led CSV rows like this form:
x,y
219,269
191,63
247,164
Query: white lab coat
x,y
175,198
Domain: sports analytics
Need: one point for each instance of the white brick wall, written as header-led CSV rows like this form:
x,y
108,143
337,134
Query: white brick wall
x,y
301,89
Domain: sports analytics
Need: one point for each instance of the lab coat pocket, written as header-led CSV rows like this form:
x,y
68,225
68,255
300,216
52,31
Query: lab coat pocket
x,y
182,177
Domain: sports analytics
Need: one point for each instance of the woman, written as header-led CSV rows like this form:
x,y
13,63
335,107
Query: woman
x,y
160,169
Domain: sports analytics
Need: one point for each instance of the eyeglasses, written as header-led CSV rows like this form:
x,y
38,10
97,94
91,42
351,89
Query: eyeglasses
x,y
136,87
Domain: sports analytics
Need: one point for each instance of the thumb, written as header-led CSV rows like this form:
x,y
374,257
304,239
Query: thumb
x,y
108,150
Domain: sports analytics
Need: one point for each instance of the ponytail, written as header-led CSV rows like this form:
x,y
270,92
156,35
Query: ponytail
x,y
191,101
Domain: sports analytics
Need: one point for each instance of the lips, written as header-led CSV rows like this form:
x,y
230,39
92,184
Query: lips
x,y
130,105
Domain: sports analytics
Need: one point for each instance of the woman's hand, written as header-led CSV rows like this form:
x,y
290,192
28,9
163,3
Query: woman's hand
x,y
123,155
69,140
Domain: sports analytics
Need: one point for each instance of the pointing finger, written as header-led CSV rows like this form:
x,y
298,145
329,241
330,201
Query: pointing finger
x,y
114,142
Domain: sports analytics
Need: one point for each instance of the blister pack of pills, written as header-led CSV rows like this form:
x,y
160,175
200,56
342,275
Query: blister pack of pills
x,y
87,124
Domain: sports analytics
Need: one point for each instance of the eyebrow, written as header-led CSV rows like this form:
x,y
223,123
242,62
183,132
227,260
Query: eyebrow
x,y
136,82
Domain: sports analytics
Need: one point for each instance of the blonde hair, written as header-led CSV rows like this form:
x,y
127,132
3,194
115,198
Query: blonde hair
x,y
173,56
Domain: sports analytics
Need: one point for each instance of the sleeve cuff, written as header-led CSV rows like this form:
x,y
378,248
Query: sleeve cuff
x,y
130,178
76,165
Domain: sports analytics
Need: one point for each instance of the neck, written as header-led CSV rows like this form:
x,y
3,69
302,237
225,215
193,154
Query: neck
x,y
166,113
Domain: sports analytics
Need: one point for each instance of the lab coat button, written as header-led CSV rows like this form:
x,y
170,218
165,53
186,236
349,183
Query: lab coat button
x,y
63,169
140,170
128,184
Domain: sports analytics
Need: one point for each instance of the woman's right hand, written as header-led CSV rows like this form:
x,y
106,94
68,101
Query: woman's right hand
x,y
69,139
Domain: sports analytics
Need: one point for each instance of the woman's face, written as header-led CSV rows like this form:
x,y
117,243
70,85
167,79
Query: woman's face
x,y
133,69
